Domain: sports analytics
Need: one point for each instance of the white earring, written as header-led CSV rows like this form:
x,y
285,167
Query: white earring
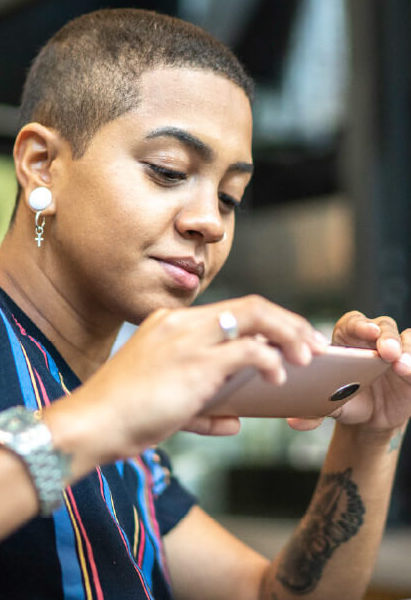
x,y
39,199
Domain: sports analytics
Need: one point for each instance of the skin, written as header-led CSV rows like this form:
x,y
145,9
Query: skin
x,y
121,198
109,188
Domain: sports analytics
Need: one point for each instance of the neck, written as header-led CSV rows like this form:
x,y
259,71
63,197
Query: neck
x,y
82,332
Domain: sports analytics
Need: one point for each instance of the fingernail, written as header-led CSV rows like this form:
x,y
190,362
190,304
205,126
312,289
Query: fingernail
x,y
305,353
405,359
374,326
392,344
281,376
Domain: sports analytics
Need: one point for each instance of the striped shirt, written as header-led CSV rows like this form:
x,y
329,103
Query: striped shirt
x,y
105,542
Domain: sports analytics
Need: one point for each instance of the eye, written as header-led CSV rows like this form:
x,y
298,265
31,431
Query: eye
x,y
164,175
230,202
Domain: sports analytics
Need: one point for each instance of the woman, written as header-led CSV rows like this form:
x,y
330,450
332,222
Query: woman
x,y
134,150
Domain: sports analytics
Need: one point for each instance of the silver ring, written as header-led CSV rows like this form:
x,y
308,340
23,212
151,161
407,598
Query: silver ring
x,y
228,325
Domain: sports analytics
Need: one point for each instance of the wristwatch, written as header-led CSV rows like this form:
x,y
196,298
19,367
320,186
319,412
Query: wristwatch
x,y
23,432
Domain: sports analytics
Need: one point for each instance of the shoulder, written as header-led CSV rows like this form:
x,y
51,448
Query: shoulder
x,y
32,372
11,360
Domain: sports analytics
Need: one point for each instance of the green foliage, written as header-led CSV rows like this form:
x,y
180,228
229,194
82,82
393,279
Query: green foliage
x,y
8,188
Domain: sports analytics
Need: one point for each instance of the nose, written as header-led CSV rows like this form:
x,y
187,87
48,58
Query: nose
x,y
201,218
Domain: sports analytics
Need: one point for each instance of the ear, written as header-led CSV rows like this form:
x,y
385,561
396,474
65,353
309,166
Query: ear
x,y
35,149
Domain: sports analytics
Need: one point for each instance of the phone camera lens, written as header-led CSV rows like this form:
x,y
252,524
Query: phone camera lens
x,y
344,392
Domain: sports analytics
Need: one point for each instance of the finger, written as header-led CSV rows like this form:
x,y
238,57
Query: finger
x,y
402,366
252,315
298,352
292,333
355,329
304,424
352,412
250,352
389,344
218,426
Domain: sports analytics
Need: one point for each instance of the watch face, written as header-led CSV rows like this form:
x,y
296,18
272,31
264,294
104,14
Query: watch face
x,y
23,432
16,419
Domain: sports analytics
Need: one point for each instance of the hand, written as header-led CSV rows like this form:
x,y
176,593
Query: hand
x,y
386,404
163,377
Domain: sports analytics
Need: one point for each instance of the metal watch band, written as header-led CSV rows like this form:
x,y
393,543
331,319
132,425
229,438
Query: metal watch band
x,y
23,432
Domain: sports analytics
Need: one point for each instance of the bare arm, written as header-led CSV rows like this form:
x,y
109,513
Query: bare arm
x,y
18,500
330,555
333,550
125,407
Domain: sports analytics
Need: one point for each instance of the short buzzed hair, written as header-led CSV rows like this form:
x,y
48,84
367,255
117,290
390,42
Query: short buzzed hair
x,y
88,73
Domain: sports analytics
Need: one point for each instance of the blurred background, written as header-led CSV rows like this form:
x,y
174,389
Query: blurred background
x,y
324,229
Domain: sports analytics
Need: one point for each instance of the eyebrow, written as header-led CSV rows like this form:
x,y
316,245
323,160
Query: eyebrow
x,y
243,167
193,142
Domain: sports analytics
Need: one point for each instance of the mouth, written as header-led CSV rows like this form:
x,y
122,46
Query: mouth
x,y
185,271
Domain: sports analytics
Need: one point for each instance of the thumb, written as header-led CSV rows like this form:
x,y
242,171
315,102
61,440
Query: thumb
x,y
304,424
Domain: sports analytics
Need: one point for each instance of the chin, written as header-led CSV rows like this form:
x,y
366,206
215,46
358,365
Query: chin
x,y
138,312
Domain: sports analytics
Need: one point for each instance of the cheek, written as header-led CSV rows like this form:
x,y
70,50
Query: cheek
x,y
101,209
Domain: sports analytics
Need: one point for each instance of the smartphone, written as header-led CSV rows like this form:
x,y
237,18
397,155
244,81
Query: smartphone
x,y
315,390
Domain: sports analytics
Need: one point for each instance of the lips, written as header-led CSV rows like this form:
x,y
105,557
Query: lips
x,y
182,272
187,263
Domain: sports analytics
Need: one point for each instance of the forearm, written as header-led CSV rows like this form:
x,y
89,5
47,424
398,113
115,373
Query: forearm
x,y
18,500
70,434
83,430
332,552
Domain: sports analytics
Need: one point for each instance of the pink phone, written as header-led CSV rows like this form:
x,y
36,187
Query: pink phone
x,y
315,390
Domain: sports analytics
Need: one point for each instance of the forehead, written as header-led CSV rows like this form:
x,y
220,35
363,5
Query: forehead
x,y
204,103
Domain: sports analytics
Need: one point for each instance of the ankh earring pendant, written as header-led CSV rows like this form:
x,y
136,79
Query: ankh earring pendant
x,y
40,199
39,228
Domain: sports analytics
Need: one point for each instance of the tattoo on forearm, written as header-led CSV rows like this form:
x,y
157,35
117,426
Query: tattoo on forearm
x,y
335,516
